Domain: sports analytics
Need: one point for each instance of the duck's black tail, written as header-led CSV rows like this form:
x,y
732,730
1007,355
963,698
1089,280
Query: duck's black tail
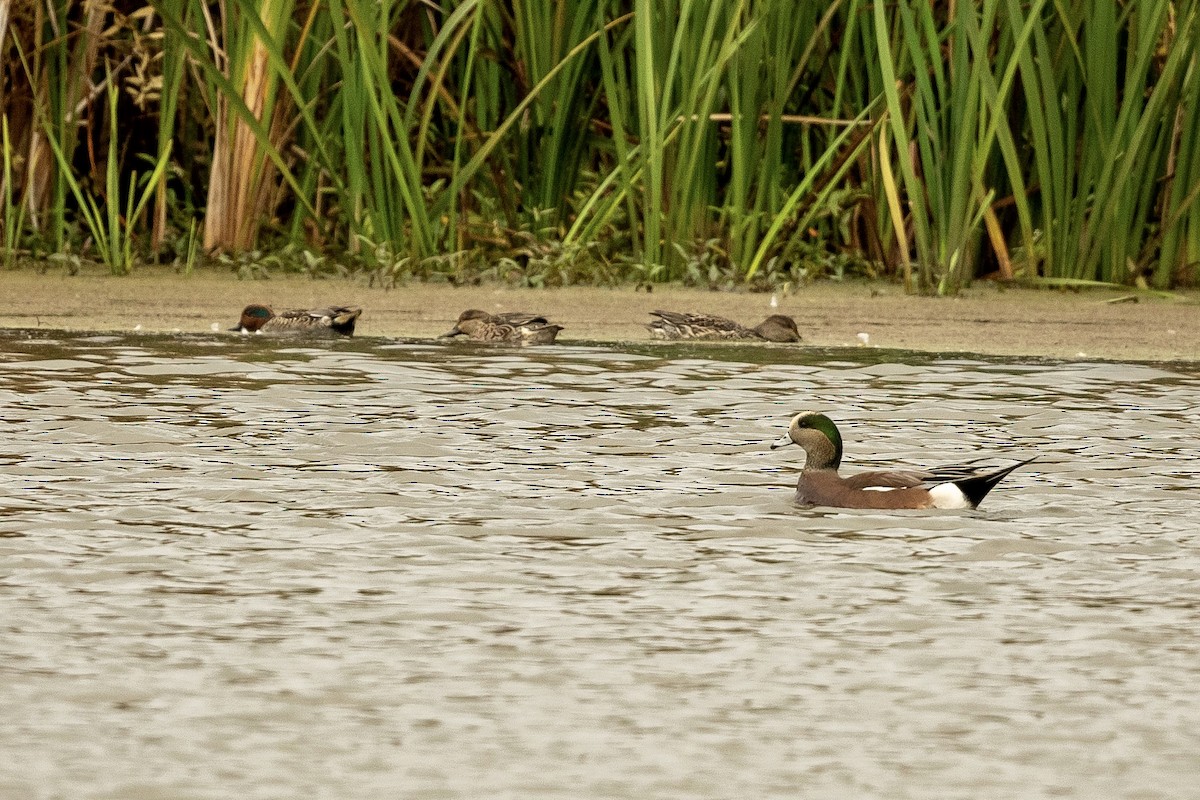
x,y
976,487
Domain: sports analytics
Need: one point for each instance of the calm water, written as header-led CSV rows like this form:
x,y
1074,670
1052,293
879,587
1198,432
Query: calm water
x,y
238,568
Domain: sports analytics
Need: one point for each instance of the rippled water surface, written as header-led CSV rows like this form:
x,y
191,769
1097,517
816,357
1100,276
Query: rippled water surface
x,y
241,568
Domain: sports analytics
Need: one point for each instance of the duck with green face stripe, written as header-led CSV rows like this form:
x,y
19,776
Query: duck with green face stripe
x,y
960,486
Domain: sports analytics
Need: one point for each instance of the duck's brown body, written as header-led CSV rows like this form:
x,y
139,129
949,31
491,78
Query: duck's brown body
x,y
513,327
674,325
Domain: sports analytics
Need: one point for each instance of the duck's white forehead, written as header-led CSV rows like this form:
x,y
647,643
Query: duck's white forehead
x,y
796,419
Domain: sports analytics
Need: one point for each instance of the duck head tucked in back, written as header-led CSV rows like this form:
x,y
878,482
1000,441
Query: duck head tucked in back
x,y
959,486
778,328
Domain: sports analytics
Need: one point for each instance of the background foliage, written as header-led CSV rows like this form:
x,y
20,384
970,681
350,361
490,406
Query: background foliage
x,y
561,141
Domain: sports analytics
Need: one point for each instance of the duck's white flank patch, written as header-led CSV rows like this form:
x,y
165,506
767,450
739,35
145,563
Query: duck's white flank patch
x,y
947,495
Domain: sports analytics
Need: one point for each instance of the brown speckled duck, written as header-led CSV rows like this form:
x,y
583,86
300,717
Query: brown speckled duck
x,y
330,321
962,486
676,325
513,327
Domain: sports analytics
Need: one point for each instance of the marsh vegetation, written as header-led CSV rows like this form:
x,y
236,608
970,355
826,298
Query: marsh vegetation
x,y
544,143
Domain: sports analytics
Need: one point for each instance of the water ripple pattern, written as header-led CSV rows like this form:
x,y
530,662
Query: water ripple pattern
x,y
237,568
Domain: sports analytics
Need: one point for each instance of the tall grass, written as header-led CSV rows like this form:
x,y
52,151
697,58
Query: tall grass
x,y
942,131
1180,240
108,220
384,199
751,141
1104,103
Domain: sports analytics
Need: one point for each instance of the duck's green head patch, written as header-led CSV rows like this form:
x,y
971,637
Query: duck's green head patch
x,y
816,421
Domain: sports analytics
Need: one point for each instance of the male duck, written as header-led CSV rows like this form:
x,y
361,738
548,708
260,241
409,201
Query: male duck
x,y
962,486
513,326
334,320
676,325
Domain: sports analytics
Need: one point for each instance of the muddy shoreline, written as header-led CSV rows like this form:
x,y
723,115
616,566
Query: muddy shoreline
x,y
986,319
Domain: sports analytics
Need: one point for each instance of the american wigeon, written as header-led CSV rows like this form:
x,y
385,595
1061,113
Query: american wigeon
x,y
677,325
330,321
513,327
962,486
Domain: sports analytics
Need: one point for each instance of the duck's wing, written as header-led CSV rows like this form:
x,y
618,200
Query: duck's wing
x,y
673,317
905,478
296,319
339,319
335,311
967,470
697,320
296,315
887,479
519,318
696,326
